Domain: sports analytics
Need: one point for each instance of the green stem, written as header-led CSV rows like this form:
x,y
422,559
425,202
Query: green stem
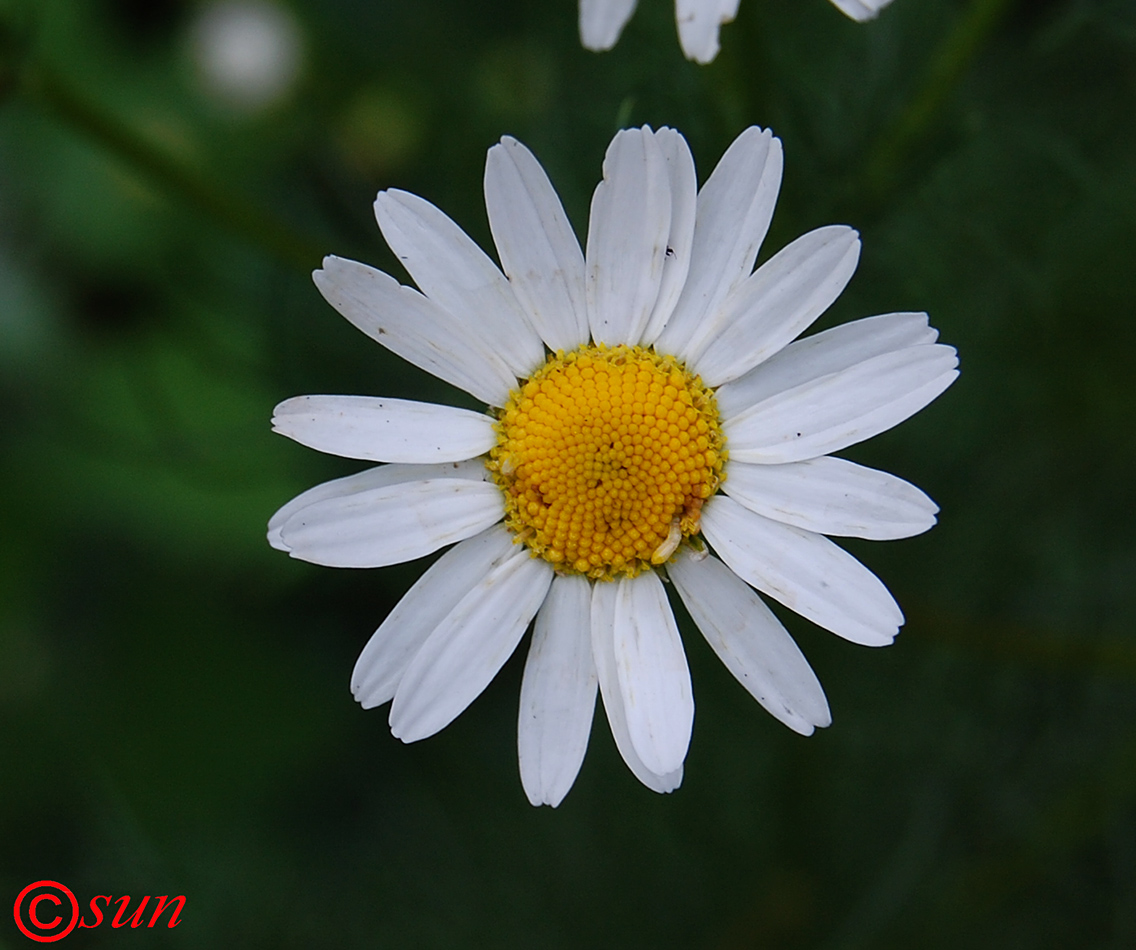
x,y
1107,655
945,69
232,212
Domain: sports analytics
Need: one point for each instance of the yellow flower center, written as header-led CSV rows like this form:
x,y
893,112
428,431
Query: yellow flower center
x,y
605,456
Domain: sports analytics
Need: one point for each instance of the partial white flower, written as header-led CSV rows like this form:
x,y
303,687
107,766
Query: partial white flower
x,y
649,398
602,21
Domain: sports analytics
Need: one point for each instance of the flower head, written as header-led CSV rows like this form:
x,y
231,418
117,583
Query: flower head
x,y
601,22
248,52
647,402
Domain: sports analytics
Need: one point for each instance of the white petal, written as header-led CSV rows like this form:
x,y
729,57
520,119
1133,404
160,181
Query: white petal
x,y
379,477
734,209
538,249
750,641
805,571
456,274
391,648
822,353
558,693
384,430
469,646
627,237
698,22
684,203
654,680
391,524
861,9
775,304
840,409
415,328
605,595
601,22
832,496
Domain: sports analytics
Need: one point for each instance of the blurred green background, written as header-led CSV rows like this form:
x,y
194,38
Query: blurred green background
x,y
174,711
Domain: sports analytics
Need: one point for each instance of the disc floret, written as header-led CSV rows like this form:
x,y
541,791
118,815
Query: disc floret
x,y
605,456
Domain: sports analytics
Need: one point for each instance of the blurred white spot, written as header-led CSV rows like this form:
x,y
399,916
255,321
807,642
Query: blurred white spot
x,y
247,52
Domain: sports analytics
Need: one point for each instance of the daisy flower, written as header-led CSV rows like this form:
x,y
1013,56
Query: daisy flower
x,y
601,22
647,404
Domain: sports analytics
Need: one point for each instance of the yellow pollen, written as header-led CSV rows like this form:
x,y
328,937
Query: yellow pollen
x,y
605,456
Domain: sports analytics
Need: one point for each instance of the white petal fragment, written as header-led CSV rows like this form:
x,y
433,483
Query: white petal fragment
x,y
538,249
654,680
627,238
698,23
750,641
384,430
605,596
558,693
391,648
843,408
775,304
601,22
833,496
805,571
391,524
456,274
734,209
380,477
822,353
469,646
861,9
415,328
684,204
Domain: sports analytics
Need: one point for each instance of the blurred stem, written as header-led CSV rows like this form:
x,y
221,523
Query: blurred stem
x,y
623,115
1047,649
231,212
946,67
